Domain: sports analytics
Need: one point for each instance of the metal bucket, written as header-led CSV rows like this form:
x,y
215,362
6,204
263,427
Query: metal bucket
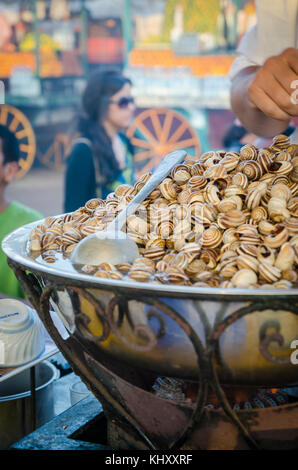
x,y
16,408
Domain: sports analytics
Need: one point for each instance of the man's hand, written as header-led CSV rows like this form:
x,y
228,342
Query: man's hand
x,y
272,87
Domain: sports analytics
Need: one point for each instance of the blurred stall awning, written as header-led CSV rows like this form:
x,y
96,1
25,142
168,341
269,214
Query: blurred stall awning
x,y
105,8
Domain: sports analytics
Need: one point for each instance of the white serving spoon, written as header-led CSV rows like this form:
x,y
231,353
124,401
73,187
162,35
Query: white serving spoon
x,y
112,245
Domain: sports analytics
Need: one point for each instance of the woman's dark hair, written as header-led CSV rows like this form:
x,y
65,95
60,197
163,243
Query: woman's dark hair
x,y
10,145
99,90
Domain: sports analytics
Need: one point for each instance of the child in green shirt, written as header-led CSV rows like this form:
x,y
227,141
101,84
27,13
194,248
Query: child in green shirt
x,y
12,215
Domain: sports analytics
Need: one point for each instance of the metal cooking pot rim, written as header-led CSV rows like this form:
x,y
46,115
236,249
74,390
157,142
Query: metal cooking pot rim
x,y
27,393
14,246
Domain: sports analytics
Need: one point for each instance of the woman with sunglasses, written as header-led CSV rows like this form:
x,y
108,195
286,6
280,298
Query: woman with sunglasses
x,y
102,157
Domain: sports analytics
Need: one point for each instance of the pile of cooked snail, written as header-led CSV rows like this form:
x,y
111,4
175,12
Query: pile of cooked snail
x,y
224,219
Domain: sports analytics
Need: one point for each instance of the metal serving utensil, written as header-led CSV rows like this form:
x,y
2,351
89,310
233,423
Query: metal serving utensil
x,y
112,245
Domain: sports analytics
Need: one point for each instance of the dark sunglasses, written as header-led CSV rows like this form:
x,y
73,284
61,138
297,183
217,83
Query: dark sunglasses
x,y
123,102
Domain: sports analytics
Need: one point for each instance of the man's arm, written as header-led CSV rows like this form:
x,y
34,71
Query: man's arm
x,y
262,96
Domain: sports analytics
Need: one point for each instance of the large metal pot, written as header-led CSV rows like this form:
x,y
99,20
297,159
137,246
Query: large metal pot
x,y
240,336
16,406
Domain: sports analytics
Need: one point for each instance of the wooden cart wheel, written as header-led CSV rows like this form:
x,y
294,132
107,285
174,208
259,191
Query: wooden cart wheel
x,y
156,132
56,154
18,123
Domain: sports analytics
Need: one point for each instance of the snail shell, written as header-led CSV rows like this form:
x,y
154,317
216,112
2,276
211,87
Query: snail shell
x,y
210,154
86,230
35,245
283,168
248,233
116,275
239,179
269,272
294,175
253,170
247,261
292,225
281,191
197,169
248,152
180,261
265,254
265,161
47,240
253,199
155,241
196,183
49,221
191,250
123,267
285,258
259,213
176,275
194,198
145,177
49,256
244,278
168,189
230,161
211,193
154,253
211,238
294,188
234,190
92,204
181,174
283,156
35,234
247,249
138,225
290,275
140,274
277,238
281,141
277,209
195,267
229,270
226,285
228,204
283,284
216,171
265,227
284,179
232,219
182,228
88,269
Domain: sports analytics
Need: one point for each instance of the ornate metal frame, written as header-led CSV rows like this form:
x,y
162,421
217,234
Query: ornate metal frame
x,y
206,356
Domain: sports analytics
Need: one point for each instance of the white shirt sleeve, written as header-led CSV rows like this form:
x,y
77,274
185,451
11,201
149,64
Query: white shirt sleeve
x,y
275,31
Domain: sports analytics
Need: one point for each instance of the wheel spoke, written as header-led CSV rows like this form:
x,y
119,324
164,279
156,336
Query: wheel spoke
x,y
146,132
140,143
21,134
166,128
45,158
156,123
3,115
22,163
178,133
143,155
14,124
25,148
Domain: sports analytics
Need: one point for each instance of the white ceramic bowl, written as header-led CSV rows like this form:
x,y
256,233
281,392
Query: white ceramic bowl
x,y
22,337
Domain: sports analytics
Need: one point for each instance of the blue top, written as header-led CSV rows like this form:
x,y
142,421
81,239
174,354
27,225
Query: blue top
x,y
81,176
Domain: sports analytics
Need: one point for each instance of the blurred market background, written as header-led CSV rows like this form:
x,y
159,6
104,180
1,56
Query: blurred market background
x,y
177,53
